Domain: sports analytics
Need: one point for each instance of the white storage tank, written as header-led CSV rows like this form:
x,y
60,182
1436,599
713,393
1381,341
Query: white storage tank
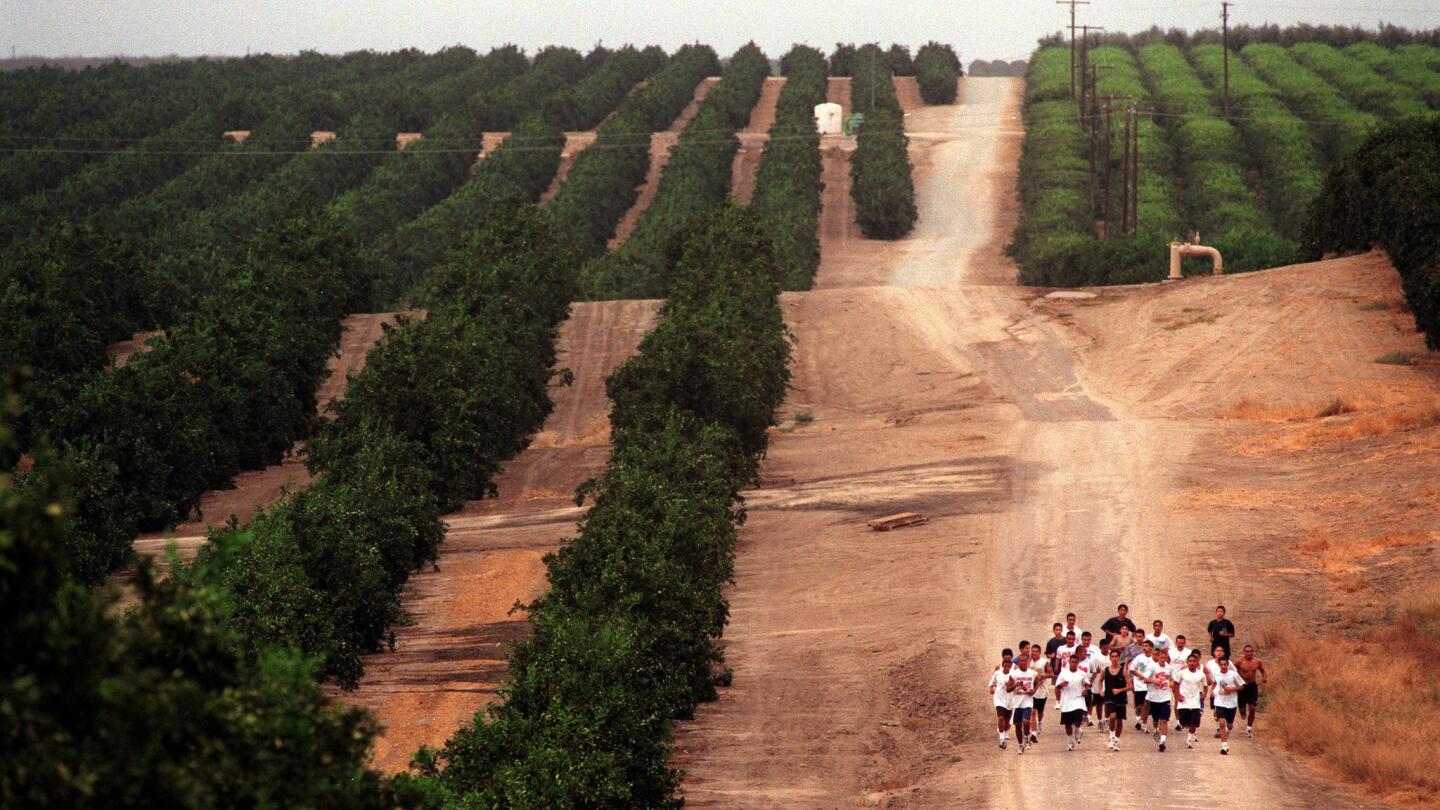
x,y
828,118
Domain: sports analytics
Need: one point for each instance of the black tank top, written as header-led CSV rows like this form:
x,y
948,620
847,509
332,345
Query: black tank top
x,y
1114,681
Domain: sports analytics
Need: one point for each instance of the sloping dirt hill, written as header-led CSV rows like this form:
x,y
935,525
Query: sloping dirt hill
x,y
1066,455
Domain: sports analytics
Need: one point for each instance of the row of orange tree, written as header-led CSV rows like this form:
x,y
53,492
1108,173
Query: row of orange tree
x,y
880,172
696,179
626,639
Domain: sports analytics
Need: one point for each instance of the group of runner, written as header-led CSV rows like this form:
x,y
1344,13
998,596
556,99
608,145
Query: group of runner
x,y
1097,683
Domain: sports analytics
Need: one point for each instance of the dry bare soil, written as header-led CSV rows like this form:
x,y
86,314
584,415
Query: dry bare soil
x,y
1070,454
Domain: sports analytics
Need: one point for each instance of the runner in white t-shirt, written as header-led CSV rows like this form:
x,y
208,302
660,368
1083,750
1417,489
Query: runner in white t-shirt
x,y
1063,654
1042,690
1021,687
1157,697
1180,652
1001,695
1227,698
1212,671
1158,638
1190,688
1071,627
1141,666
1095,663
1070,686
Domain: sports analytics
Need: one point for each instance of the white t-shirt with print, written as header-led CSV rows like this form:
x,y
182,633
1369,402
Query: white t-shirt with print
x,y
1062,656
1159,691
998,679
1161,641
1212,669
1023,696
1071,687
1097,664
1142,665
1232,700
1192,688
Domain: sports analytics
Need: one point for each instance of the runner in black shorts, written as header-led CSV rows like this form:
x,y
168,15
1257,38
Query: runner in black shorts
x,y
1116,682
1253,671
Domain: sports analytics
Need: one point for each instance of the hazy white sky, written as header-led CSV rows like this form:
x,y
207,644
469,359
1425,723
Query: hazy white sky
x,y
987,30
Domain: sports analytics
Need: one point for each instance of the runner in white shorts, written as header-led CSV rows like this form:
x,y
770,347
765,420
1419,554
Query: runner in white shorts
x,y
1001,695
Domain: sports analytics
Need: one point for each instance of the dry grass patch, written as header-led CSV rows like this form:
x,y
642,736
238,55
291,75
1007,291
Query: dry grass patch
x,y
1347,421
1367,709
1339,554
1250,409
1396,359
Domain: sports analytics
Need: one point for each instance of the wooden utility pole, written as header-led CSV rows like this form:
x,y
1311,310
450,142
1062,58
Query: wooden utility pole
x,y
1125,177
1225,45
1084,63
1085,67
1135,176
1072,4
1106,158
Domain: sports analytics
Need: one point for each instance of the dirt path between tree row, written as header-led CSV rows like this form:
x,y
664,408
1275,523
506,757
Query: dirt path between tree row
x,y
660,145
752,141
257,488
925,381
448,664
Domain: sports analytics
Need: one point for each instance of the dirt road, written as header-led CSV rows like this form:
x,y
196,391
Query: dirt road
x,y
925,381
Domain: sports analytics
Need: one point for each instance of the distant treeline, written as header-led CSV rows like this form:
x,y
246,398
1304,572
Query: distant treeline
x,y
1241,35
999,67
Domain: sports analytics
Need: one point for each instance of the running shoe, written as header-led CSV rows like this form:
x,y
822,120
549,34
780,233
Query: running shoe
x,y
1070,746
1034,738
1002,744
1189,740
1224,749
1139,727
1089,721
1247,732
1162,748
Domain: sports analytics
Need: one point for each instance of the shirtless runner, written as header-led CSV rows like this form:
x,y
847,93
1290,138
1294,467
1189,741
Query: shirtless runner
x,y
1250,667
